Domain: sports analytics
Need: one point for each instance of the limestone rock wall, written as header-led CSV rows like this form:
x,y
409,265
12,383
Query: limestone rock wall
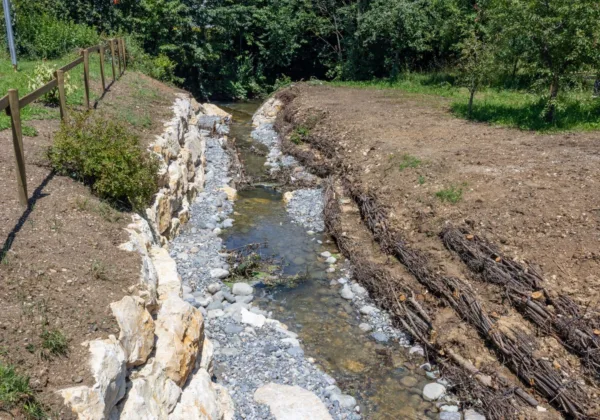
x,y
160,365
180,149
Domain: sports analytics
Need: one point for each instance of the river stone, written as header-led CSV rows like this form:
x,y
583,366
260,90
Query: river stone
x,y
291,402
229,297
449,408
232,329
445,415
409,381
254,320
242,289
379,336
244,299
346,293
326,254
417,350
331,260
203,301
335,394
365,327
219,273
357,289
434,391
215,304
471,414
368,310
215,313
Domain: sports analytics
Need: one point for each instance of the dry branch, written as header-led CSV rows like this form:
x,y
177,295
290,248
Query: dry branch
x,y
496,395
554,314
516,350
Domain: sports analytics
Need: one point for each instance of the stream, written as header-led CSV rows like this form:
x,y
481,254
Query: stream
x,y
386,382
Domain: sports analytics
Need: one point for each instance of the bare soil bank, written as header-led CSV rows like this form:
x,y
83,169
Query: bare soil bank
x,y
61,265
534,197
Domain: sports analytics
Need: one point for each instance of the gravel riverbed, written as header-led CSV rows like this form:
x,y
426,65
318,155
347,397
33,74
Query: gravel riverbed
x,y
251,349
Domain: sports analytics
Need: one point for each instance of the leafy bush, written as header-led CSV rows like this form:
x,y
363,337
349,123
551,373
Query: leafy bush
x,y
105,155
41,36
42,74
160,68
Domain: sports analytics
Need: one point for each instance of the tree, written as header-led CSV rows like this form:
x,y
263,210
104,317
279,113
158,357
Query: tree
x,y
558,37
474,65
396,31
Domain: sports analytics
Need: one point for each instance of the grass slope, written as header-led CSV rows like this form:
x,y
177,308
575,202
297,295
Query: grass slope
x,y
577,111
9,79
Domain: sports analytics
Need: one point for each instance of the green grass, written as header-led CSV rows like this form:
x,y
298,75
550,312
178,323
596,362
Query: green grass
x,y
577,110
54,343
299,135
16,392
10,79
408,161
453,194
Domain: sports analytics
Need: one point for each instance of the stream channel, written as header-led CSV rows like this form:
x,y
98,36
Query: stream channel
x,y
380,375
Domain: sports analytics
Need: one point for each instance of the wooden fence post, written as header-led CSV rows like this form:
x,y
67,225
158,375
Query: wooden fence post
x,y
119,54
62,99
86,77
15,119
124,54
112,53
102,67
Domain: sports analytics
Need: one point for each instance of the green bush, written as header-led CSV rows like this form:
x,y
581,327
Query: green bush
x,y
44,73
161,68
40,36
104,154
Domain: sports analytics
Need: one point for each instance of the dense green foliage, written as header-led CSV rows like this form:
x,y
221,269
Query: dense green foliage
x,y
242,48
104,154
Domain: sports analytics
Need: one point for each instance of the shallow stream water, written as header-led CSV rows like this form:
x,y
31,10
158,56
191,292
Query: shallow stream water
x,y
385,383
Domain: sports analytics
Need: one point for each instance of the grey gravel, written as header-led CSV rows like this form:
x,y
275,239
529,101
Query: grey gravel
x,y
245,357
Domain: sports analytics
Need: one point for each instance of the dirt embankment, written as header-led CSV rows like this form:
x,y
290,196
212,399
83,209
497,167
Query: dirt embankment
x,y
60,263
520,209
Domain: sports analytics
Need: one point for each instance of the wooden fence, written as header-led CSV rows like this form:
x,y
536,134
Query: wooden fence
x,y
13,105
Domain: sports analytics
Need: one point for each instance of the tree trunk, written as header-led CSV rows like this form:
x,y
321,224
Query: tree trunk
x,y
597,87
472,92
514,72
552,102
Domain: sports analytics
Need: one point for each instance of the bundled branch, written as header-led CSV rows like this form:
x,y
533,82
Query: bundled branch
x,y
495,394
556,315
516,350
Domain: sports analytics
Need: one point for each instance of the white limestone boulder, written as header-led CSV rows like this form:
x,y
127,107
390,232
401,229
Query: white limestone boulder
x,y
108,366
291,402
153,395
169,283
137,329
179,337
203,400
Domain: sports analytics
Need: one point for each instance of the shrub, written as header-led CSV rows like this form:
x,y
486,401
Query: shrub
x,y
42,74
160,68
41,36
107,156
